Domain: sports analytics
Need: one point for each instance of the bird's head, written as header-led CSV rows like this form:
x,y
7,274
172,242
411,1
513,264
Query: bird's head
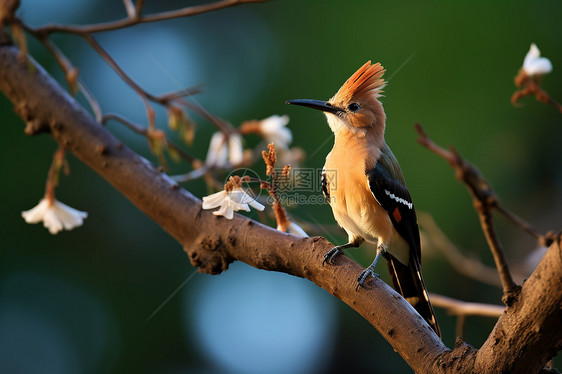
x,y
355,107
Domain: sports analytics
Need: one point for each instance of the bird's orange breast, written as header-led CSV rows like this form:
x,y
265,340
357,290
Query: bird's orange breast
x,y
353,204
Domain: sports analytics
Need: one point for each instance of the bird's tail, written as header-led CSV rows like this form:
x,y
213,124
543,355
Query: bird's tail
x,y
408,281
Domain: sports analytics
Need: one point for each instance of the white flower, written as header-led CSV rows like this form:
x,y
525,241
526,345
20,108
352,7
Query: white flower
x,y
534,64
222,151
55,215
294,229
274,131
234,200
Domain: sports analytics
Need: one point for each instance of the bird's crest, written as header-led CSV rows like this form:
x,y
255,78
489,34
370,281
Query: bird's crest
x,y
365,81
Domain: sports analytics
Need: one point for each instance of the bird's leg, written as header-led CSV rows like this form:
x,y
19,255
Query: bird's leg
x,y
332,253
370,270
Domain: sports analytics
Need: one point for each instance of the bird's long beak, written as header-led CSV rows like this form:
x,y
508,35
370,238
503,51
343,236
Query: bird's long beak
x,y
315,104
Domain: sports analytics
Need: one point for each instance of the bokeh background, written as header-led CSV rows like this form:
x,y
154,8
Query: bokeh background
x,y
118,295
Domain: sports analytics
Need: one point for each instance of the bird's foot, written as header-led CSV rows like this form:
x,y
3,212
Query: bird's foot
x,y
370,270
331,254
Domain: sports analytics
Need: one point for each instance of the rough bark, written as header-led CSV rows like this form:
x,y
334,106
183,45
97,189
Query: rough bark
x,y
212,243
530,328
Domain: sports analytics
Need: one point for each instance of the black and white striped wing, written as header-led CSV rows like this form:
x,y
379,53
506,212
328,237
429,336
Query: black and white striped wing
x,y
407,279
395,199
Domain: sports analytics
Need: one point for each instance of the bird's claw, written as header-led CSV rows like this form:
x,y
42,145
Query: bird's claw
x,y
363,276
331,255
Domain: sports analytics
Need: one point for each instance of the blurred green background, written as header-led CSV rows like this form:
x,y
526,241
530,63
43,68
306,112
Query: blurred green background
x,y
118,295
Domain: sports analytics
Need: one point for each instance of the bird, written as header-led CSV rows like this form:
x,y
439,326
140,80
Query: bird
x,y
365,187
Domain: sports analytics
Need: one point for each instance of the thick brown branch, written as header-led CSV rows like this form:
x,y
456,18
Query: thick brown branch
x,y
530,327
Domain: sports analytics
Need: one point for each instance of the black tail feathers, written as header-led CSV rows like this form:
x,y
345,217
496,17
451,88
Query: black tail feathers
x,y
408,281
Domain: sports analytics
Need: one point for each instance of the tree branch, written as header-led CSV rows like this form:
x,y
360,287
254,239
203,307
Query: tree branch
x,y
531,324
462,309
466,308
131,21
531,86
484,199
469,267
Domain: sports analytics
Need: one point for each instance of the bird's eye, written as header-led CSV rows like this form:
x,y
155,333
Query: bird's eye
x,y
354,107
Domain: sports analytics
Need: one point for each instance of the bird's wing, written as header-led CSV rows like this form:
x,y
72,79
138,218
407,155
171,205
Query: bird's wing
x,y
386,184
395,198
324,184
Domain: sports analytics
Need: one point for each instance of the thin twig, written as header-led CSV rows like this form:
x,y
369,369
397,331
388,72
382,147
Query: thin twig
x,y
146,97
144,132
198,165
544,240
54,172
174,95
485,216
484,199
484,190
131,126
130,8
219,123
70,72
66,67
139,6
193,174
61,60
458,307
531,86
165,99
270,158
98,114
461,323
127,22
469,267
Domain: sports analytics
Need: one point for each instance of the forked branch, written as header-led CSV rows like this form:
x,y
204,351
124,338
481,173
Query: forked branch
x,y
484,199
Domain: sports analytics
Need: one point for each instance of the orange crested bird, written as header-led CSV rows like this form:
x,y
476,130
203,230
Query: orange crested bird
x,y
365,187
